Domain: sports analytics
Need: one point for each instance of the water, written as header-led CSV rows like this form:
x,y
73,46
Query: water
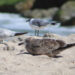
x,y
17,23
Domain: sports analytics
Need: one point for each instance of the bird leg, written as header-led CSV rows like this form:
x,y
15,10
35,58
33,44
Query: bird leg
x,y
37,32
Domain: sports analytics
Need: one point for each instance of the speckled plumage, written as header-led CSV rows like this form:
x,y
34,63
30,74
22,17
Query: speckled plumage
x,y
50,47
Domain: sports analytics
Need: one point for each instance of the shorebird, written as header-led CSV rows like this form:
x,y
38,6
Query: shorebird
x,y
49,47
6,33
38,24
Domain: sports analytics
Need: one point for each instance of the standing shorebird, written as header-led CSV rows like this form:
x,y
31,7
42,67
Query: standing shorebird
x,y
6,33
38,24
49,47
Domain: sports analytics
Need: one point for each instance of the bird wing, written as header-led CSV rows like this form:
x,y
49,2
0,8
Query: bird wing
x,y
45,43
36,43
43,46
50,44
39,22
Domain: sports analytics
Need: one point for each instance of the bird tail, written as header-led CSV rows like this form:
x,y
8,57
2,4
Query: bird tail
x,y
63,48
68,46
54,23
17,34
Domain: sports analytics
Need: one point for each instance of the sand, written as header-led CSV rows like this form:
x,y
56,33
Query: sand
x,y
16,61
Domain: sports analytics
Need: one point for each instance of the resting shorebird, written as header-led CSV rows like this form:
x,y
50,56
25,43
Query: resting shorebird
x,y
38,24
49,47
6,33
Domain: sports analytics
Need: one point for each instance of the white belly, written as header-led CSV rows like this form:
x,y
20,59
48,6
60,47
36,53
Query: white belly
x,y
37,27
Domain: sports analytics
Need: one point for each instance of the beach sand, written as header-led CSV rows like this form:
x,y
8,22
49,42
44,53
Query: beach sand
x,y
16,61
